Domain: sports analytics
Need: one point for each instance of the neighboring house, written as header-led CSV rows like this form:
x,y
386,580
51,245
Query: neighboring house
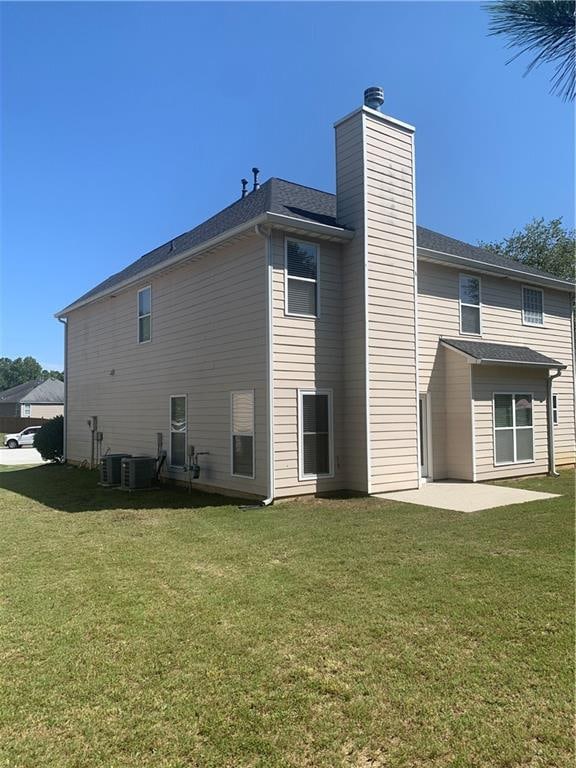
x,y
312,342
35,399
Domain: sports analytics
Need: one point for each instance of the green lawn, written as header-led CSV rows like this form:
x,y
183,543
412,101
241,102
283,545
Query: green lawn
x,y
161,629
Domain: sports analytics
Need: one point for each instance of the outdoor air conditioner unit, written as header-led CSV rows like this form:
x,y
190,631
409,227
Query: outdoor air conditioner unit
x,y
137,472
110,468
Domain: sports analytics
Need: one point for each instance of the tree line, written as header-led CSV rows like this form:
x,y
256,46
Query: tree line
x,y
22,369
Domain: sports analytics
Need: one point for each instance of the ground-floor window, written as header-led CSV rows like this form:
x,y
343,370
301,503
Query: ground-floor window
x,y
513,428
178,431
26,409
315,436
242,433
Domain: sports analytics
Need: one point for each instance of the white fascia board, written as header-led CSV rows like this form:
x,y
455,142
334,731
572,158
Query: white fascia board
x,y
323,230
277,219
451,260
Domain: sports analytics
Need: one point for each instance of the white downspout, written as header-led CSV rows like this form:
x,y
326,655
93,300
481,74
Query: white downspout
x,y
550,419
65,324
267,234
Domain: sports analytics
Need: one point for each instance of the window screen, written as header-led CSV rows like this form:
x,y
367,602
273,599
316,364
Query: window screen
x,y
242,418
144,314
532,306
315,421
301,278
178,431
469,304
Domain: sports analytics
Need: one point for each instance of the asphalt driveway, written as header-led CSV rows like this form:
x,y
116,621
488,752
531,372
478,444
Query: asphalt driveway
x,y
15,456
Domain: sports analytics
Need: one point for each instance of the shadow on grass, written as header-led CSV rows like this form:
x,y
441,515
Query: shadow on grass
x,y
70,489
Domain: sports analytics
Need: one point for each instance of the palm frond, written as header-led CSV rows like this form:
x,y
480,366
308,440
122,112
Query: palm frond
x,y
544,27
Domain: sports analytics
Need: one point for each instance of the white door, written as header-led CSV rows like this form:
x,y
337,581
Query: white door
x,y
423,419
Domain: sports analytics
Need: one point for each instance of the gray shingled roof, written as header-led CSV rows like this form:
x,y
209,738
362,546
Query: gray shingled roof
x,y
289,199
502,353
36,391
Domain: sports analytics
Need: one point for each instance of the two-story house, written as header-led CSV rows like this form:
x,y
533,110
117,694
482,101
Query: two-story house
x,y
313,342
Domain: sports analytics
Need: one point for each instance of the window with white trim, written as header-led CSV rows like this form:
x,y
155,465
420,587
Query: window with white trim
x,y
532,306
301,278
513,428
555,409
242,428
144,314
315,433
178,431
26,409
470,304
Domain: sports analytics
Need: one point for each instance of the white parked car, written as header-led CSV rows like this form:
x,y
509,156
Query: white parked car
x,y
24,439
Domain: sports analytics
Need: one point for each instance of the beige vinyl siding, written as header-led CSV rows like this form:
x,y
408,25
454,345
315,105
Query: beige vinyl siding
x,y
38,411
486,380
457,434
307,354
208,339
393,415
350,209
438,315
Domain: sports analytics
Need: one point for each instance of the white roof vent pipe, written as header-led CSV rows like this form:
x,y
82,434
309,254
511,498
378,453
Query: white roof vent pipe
x,y
374,97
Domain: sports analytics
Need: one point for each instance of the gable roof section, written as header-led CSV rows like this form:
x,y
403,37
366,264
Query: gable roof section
x,y
501,354
35,392
306,205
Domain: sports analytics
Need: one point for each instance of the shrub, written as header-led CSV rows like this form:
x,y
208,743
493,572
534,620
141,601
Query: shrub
x,y
49,440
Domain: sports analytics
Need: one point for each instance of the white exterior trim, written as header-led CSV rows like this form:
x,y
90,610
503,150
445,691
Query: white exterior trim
x,y
524,287
366,316
513,428
416,333
252,434
300,424
473,417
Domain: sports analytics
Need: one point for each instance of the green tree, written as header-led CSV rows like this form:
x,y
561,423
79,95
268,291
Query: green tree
x,y
543,28
544,245
23,369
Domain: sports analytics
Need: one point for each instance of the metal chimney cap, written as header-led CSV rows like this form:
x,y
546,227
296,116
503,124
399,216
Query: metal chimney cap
x,y
374,97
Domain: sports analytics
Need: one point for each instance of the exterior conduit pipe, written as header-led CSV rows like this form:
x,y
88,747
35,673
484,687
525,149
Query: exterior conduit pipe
x,y
64,322
266,233
550,419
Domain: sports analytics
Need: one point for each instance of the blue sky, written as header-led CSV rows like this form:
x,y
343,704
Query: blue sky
x,y
125,124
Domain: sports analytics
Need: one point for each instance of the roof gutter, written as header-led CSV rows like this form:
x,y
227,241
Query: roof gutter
x,y
272,219
450,259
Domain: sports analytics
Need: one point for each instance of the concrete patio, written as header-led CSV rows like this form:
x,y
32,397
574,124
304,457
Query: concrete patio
x,y
465,497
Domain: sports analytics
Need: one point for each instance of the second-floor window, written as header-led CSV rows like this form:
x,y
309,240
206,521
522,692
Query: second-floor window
x,y
144,314
301,278
532,306
470,304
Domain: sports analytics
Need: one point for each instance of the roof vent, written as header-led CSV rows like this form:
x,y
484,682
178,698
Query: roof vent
x,y
374,97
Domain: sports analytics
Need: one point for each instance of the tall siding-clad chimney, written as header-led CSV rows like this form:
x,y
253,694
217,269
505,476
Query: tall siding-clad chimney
x,y
375,196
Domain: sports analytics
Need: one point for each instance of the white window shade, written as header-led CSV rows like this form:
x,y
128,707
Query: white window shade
x,y
242,429
301,278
